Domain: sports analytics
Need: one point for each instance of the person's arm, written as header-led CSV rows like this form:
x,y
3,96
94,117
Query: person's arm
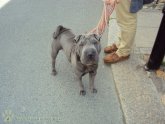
x,y
109,6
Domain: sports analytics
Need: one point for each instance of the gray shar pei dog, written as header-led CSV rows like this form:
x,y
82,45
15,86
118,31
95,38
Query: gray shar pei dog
x,y
82,52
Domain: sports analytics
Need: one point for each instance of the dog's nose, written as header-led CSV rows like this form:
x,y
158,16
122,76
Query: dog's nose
x,y
91,54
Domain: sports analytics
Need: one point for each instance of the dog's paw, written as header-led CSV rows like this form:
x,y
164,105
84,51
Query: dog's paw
x,y
54,72
82,92
94,90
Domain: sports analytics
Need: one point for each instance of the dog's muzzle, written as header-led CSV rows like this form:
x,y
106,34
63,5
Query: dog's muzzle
x,y
91,55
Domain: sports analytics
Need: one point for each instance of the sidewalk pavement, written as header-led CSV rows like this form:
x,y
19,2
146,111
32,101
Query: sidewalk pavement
x,y
141,93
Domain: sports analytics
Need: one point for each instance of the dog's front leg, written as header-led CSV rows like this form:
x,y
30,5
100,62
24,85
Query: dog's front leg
x,y
82,91
91,82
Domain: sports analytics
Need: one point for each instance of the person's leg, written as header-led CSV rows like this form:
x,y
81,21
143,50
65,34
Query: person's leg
x,y
127,22
113,34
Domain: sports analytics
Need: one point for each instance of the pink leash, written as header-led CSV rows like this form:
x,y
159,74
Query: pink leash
x,y
103,22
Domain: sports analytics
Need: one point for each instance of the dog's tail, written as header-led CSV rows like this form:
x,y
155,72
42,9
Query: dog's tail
x,y
60,29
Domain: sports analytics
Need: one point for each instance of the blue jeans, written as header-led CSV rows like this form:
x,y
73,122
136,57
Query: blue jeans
x,y
136,5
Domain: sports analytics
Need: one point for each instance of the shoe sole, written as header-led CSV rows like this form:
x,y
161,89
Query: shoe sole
x,y
110,51
123,59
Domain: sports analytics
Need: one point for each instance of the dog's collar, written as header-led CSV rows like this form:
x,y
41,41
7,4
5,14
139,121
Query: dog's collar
x,y
85,67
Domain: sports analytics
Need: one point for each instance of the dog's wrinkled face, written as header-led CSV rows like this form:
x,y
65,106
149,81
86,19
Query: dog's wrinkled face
x,y
88,48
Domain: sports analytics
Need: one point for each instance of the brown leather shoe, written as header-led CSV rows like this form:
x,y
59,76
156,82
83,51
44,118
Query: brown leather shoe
x,y
110,49
113,58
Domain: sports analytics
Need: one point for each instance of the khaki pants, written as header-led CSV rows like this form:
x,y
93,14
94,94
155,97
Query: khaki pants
x,y
127,22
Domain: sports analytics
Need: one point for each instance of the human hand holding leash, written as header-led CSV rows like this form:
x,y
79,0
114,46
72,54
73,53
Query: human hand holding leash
x,y
111,2
109,6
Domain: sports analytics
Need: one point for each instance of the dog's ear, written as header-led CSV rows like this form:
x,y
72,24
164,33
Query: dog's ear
x,y
77,51
78,46
97,37
77,38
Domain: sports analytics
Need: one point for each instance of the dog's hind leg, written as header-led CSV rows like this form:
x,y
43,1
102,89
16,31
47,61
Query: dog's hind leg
x,y
55,49
54,55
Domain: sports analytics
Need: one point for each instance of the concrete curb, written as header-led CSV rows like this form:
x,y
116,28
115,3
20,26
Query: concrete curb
x,y
139,98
